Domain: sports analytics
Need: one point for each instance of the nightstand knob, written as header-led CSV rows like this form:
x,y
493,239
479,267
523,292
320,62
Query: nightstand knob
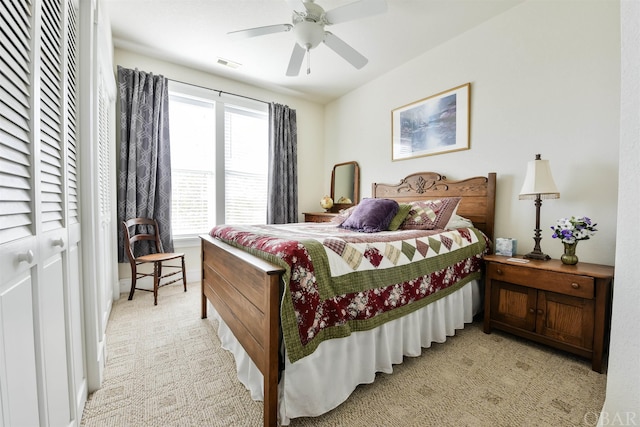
x,y
575,285
531,310
498,271
540,311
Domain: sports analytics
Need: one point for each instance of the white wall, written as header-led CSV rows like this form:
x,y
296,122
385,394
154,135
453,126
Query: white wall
x,y
622,405
544,79
310,120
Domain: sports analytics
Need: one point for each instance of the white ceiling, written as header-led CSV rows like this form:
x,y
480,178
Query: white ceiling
x,y
194,33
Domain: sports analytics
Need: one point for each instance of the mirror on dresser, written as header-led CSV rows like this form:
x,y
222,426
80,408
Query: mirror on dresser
x,y
345,192
345,185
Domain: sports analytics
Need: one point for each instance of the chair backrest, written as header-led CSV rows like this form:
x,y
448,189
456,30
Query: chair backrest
x,y
141,229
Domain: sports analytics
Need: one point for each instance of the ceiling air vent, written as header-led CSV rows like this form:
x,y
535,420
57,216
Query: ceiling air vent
x,y
228,63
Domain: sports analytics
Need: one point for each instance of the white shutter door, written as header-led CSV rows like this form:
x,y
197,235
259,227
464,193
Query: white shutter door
x,y
72,113
53,235
41,337
105,276
18,249
51,117
15,142
78,370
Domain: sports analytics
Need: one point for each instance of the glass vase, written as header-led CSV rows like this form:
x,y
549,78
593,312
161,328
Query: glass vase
x,y
569,256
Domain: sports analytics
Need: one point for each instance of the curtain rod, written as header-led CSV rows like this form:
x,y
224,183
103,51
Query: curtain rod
x,y
220,92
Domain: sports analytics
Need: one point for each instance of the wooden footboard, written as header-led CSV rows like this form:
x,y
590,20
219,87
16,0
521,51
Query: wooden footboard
x,y
245,291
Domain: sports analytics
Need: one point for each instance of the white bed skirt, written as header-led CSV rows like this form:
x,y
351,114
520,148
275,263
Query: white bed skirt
x,y
323,380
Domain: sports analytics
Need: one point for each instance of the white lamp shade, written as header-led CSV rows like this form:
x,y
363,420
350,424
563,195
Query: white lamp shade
x,y
539,181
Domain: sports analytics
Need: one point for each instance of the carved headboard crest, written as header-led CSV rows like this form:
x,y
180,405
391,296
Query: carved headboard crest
x,y
418,184
478,194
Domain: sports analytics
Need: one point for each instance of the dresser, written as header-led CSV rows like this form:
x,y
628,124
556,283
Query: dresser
x,y
567,307
319,216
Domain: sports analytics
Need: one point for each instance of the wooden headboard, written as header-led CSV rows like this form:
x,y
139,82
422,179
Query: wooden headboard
x,y
478,195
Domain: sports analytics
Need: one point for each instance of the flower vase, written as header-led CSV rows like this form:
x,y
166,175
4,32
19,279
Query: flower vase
x,y
569,256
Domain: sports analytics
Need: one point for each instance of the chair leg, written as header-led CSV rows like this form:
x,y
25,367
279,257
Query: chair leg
x,y
134,277
184,275
156,279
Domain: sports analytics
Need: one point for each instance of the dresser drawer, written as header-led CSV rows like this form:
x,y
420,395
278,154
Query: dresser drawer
x,y
562,283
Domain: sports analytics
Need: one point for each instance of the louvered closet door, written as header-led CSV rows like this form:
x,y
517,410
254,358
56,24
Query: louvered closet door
x,y
106,237
18,246
39,285
53,235
74,249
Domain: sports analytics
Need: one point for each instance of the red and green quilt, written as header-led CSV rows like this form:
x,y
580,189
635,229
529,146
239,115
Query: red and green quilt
x,y
339,281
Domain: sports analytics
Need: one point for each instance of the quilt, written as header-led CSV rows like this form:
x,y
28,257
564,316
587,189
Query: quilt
x,y
338,281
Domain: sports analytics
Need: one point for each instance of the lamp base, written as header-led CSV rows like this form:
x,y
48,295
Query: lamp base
x,y
537,255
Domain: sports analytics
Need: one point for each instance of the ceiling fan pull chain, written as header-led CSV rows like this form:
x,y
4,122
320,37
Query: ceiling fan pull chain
x,y
308,61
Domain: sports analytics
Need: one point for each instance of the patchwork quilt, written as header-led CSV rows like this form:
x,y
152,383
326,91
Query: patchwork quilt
x,y
339,281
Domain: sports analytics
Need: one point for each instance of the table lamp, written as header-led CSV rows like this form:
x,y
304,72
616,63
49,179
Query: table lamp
x,y
538,185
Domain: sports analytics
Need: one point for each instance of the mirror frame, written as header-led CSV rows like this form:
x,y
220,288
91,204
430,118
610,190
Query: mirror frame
x,y
337,207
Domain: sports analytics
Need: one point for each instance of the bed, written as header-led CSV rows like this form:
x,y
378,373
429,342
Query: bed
x,y
244,290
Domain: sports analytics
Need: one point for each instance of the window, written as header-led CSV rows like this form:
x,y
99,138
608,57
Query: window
x,y
246,154
211,133
192,132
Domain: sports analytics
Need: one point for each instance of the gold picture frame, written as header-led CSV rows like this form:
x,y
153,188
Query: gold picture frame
x,y
433,125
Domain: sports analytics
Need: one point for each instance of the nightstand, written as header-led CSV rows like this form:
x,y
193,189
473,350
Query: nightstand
x,y
564,306
319,216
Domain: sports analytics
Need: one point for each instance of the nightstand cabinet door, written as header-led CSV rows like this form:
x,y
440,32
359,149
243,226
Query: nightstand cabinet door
x,y
566,319
513,305
567,307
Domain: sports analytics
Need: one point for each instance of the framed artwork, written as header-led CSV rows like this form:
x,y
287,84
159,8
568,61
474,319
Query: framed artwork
x,y
434,125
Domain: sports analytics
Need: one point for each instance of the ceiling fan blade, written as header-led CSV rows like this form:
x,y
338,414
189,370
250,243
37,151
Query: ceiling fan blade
x,y
297,55
260,31
355,10
347,52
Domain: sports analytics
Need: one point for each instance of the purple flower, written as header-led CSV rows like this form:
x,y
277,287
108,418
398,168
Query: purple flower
x,y
570,230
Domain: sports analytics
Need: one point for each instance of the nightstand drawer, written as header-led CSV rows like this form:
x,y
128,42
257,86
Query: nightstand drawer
x,y
562,283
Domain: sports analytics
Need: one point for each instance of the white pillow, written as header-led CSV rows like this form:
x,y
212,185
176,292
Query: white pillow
x,y
457,221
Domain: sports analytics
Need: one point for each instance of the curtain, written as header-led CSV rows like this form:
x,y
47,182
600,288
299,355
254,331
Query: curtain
x,y
282,202
144,175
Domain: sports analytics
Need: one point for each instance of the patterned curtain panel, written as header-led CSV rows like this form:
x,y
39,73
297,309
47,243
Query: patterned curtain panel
x,y
282,204
144,175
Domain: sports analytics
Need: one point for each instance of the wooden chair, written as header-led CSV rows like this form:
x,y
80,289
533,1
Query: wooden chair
x,y
146,229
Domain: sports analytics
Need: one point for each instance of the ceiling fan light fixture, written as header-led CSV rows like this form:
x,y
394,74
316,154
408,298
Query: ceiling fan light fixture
x,y
308,34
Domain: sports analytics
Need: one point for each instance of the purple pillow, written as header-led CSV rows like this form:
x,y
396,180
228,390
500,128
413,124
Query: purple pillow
x,y
343,215
371,215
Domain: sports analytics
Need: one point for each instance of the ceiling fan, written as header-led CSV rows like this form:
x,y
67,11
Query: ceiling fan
x,y
308,22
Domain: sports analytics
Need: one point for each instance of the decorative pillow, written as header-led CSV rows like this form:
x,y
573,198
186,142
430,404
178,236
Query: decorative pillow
x,y
403,211
343,215
371,215
458,221
430,214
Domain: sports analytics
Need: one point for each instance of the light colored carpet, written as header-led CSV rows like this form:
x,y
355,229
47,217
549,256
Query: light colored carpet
x,y
165,367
